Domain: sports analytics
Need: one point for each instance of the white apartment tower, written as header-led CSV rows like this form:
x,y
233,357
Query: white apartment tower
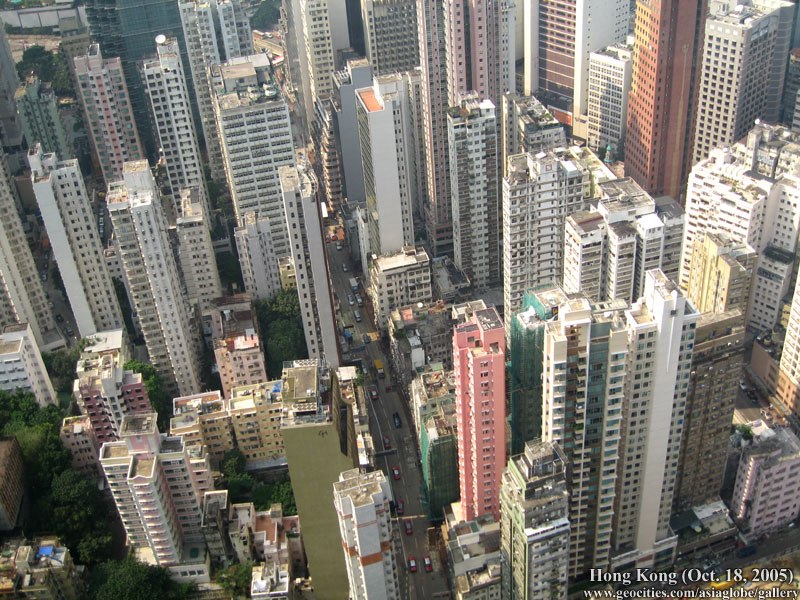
x,y
323,33
168,94
725,198
214,31
390,35
107,107
256,135
609,249
195,250
157,483
623,474
257,257
387,144
473,153
22,298
362,507
140,226
610,73
69,219
304,221
21,365
527,126
539,192
398,280
739,45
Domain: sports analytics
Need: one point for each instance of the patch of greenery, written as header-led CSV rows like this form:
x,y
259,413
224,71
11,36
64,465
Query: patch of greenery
x,y
243,487
130,579
48,66
159,399
266,16
281,326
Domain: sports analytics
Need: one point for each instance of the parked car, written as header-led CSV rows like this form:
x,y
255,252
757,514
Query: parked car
x,y
359,300
395,473
397,422
59,319
412,564
350,299
428,564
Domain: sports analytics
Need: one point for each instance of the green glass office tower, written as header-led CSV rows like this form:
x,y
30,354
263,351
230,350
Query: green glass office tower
x,y
128,29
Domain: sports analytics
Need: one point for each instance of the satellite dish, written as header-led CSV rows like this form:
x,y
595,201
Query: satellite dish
x,y
161,39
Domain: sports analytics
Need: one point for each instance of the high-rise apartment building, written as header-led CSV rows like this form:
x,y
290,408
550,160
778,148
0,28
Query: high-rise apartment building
x,y
78,437
527,126
390,35
661,105
735,75
609,249
257,257
169,330
473,153
433,61
256,135
534,525
75,41
720,274
438,447
127,29
397,280
479,364
11,133
622,478
609,84
168,96
195,249
539,192
323,33
357,74
725,197
362,507
214,31
479,48
558,39
69,219
37,106
103,389
716,370
304,222
387,140
21,365
157,482
107,107
239,355
22,298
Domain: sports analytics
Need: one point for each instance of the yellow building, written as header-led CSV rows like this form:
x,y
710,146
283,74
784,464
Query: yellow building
x,y
255,416
203,420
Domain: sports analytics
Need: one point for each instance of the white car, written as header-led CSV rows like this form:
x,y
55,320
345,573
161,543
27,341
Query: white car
x,y
350,299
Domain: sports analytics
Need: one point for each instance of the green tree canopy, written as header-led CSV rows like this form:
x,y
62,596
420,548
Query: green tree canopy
x,y
281,326
48,66
130,579
159,399
235,580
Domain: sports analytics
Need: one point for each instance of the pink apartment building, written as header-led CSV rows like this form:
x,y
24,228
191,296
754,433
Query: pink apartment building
x,y
479,363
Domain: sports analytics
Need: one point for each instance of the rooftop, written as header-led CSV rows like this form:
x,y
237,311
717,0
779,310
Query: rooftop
x,y
407,257
361,488
138,424
369,99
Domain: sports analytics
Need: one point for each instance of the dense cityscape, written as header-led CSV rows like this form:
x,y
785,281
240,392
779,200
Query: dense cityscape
x,y
399,299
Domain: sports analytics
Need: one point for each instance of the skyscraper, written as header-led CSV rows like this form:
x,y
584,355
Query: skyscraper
x,y
10,127
620,440
257,257
390,35
22,298
69,218
534,526
473,153
127,29
661,105
38,113
736,72
304,222
215,31
479,364
362,506
168,96
387,140
109,116
609,85
140,226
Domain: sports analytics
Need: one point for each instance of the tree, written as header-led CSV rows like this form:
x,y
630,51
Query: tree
x,y
80,516
62,366
266,15
159,399
233,463
281,325
131,580
235,580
